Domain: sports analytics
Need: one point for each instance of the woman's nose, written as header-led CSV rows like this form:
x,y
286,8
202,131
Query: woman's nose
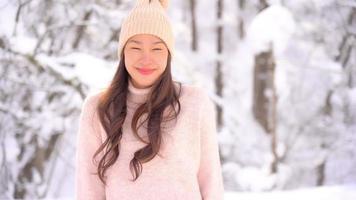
x,y
146,58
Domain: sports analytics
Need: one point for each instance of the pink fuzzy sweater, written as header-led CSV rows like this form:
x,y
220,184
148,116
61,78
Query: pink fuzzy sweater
x,y
189,169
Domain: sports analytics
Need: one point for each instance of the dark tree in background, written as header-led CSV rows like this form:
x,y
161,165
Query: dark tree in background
x,y
219,83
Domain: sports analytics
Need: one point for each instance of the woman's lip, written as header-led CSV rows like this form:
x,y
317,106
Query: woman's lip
x,y
145,71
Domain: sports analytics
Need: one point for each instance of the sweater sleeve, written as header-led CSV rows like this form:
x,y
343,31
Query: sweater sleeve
x,y
87,183
210,174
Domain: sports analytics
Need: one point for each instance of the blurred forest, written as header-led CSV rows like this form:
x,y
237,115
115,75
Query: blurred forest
x,y
281,72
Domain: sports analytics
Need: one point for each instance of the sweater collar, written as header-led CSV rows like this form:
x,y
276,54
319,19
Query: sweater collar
x,y
137,95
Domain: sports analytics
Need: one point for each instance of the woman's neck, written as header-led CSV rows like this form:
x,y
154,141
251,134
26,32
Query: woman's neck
x,y
137,95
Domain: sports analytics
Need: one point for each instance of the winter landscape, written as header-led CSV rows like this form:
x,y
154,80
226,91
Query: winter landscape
x,y
282,74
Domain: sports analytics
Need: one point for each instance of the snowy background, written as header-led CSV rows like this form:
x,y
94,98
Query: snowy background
x,y
281,72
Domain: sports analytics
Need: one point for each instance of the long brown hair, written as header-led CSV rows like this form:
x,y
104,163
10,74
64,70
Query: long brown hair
x,y
112,110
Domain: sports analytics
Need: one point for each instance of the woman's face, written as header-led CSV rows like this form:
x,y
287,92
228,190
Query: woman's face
x,y
145,59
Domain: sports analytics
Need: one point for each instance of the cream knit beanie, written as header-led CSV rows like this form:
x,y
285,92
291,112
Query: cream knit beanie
x,y
147,17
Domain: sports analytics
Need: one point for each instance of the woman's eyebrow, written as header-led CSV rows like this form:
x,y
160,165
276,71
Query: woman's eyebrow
x,y
135,41
158,42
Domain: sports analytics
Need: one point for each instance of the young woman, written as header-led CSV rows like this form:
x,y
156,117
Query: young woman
x,y
146,137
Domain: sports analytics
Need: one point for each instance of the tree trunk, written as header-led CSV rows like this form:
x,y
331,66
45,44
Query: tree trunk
x,y
265,100
241,23
346,50
194,44
321,174
219,75
36,163
81,29
263,5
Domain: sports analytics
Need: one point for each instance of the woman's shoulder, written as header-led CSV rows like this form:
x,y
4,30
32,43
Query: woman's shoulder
x,y
194,93
92,99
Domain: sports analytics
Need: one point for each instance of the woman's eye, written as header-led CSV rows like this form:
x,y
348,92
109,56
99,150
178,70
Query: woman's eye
x,y
157,49
135,48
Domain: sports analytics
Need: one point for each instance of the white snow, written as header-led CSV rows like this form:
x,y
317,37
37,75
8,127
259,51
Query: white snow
x,y
272,28
305,73
347,192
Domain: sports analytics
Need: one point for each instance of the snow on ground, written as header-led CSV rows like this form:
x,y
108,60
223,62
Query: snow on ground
x,y
341,192
347,192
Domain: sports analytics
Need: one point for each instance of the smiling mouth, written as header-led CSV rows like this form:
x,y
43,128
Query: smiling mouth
x,y
145,71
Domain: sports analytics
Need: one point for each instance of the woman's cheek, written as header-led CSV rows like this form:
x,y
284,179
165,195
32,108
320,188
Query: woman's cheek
x,y
163,65
162,60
